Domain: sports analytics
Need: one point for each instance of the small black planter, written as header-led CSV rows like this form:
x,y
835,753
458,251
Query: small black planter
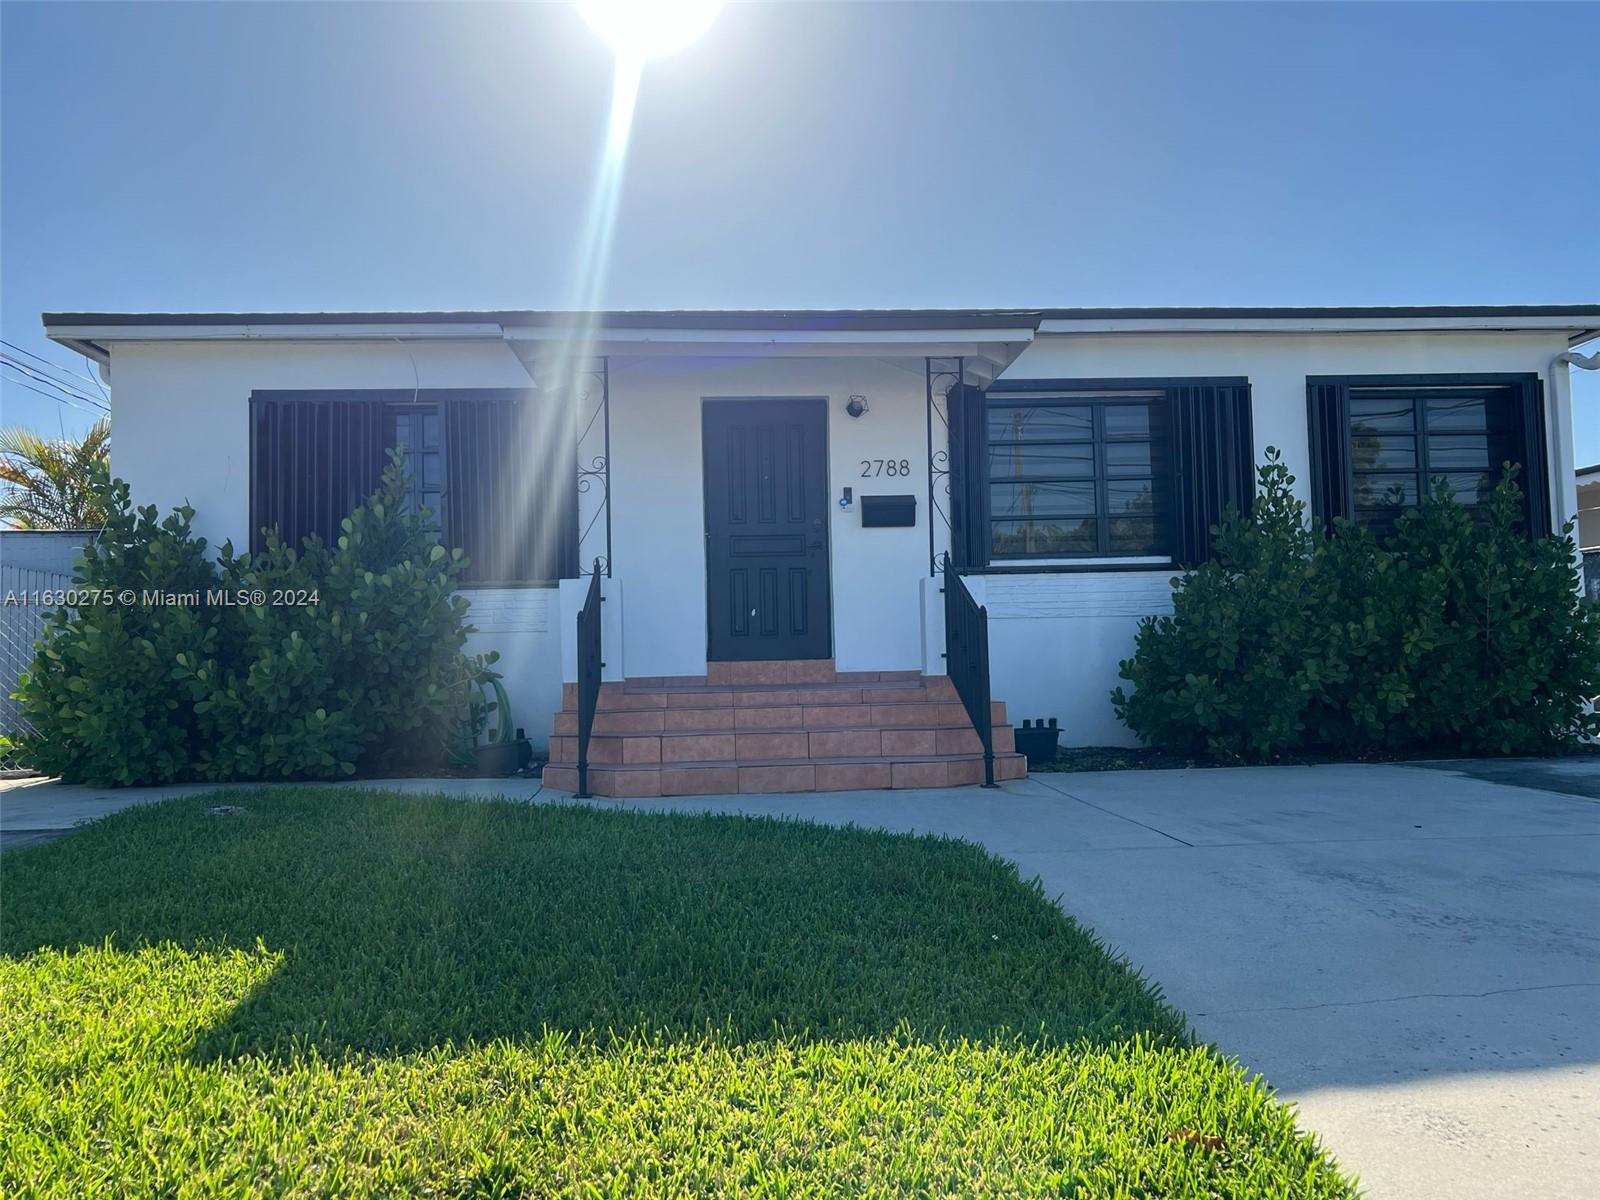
x,y
499,759
1038,742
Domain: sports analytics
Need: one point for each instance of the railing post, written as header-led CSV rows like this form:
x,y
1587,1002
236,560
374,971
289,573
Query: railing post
x,y
591,666
966,652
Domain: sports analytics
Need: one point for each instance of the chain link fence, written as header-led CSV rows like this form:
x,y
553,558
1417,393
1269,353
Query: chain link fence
x,y
25,602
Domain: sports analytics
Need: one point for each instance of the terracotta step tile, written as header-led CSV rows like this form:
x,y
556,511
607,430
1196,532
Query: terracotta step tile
x,y
765,696
919,774
753,746
846,743
629,720
899,676
900,694
897,742
625,782
747,672
564,749
698,748
844,777
708,699
855,676
817,694
1010,766
957,741
967,772
818,670
699,781
789,777
997,711
566,723
682,720
569,697
917,715
940,687
1005,739
836,716
641,749
620,701
786,717
561,779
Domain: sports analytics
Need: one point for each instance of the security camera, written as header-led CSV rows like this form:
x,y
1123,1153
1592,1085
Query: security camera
x,y
856,406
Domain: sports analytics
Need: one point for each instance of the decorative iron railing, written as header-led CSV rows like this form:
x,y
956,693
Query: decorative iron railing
x,y
966,658
591,665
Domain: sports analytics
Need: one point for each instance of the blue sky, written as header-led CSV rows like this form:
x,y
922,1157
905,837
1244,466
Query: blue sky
x,y
393,156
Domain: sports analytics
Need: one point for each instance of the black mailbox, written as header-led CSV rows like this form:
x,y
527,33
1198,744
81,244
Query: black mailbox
x,y
885,512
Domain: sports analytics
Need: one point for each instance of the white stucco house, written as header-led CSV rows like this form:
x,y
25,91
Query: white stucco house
x,y
766,498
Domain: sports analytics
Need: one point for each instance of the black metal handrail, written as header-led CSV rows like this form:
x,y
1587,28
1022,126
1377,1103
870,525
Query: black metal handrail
x,y
591,665
966,658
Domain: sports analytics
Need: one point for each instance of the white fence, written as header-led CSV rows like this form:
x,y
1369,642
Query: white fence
x,y
24,604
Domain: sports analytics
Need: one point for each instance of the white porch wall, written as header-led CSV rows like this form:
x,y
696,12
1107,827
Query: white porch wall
x,y
658,510
182,433
1055,640
181,415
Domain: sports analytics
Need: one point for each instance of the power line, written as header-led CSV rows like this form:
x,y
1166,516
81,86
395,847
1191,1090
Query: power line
x,y
48,381
67,371
59,399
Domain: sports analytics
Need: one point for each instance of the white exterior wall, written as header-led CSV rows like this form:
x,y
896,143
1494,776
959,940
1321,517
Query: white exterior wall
x,y
658,509
181,411
182,433
1056,639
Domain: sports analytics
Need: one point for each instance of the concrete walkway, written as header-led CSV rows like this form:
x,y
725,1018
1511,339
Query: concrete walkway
x,y
1409,954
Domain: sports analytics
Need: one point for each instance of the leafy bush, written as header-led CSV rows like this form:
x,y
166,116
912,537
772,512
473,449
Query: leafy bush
x,y
1456,634
353,662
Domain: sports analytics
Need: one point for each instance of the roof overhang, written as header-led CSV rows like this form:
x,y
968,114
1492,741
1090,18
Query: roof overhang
x,y
1579,328
992,336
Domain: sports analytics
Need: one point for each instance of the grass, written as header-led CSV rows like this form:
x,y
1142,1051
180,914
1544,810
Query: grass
x,y
347,993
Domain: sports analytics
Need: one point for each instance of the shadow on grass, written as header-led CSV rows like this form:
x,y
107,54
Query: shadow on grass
x,y
408,922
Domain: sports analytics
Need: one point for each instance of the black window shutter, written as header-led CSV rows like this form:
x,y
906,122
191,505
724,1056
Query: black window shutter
x,y
511,490
313,462
1531,450
1328,424
1213,454
967,510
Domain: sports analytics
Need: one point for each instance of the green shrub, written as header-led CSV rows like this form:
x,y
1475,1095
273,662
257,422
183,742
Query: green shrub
x,y
1457,634
354,662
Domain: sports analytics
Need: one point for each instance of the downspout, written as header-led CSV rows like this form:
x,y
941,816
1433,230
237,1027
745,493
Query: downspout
x,y
1561,420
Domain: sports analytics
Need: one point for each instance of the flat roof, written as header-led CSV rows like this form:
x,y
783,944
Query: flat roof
x,y
89,331
825,318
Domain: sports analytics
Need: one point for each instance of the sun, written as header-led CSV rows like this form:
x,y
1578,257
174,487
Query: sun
x,y
638,30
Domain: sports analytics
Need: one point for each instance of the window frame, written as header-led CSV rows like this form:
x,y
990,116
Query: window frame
x,y
388,401
1518,387
1159,390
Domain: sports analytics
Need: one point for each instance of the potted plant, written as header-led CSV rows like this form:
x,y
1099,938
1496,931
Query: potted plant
x,y
1038,742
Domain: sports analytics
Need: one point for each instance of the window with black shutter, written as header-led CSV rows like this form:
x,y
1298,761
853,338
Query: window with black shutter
x,y
1380,443
1098,472
492,466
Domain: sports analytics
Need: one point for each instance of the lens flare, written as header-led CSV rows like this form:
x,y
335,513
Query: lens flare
x,y
643,29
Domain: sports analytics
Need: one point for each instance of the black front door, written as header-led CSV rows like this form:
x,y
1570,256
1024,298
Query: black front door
x,y
766,529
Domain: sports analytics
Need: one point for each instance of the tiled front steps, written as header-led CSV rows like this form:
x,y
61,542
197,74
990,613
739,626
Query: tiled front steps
x,y
777,727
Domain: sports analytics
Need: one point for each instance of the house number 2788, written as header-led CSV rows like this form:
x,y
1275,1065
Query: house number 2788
x,y
872,467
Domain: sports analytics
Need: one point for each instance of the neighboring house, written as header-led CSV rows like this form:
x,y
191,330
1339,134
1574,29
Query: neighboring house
x,y
768,494
1589,508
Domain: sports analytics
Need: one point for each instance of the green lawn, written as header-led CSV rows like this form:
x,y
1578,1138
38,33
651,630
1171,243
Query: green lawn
x,y
347,993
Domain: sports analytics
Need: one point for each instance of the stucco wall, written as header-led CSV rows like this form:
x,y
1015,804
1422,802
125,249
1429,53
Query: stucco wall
x,y
1056,639
658,515
181,413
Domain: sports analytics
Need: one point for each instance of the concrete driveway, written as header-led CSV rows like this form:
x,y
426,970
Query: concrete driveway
x,y
1409,954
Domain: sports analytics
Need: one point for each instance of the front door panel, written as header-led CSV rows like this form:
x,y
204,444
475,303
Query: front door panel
x,y
766,476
